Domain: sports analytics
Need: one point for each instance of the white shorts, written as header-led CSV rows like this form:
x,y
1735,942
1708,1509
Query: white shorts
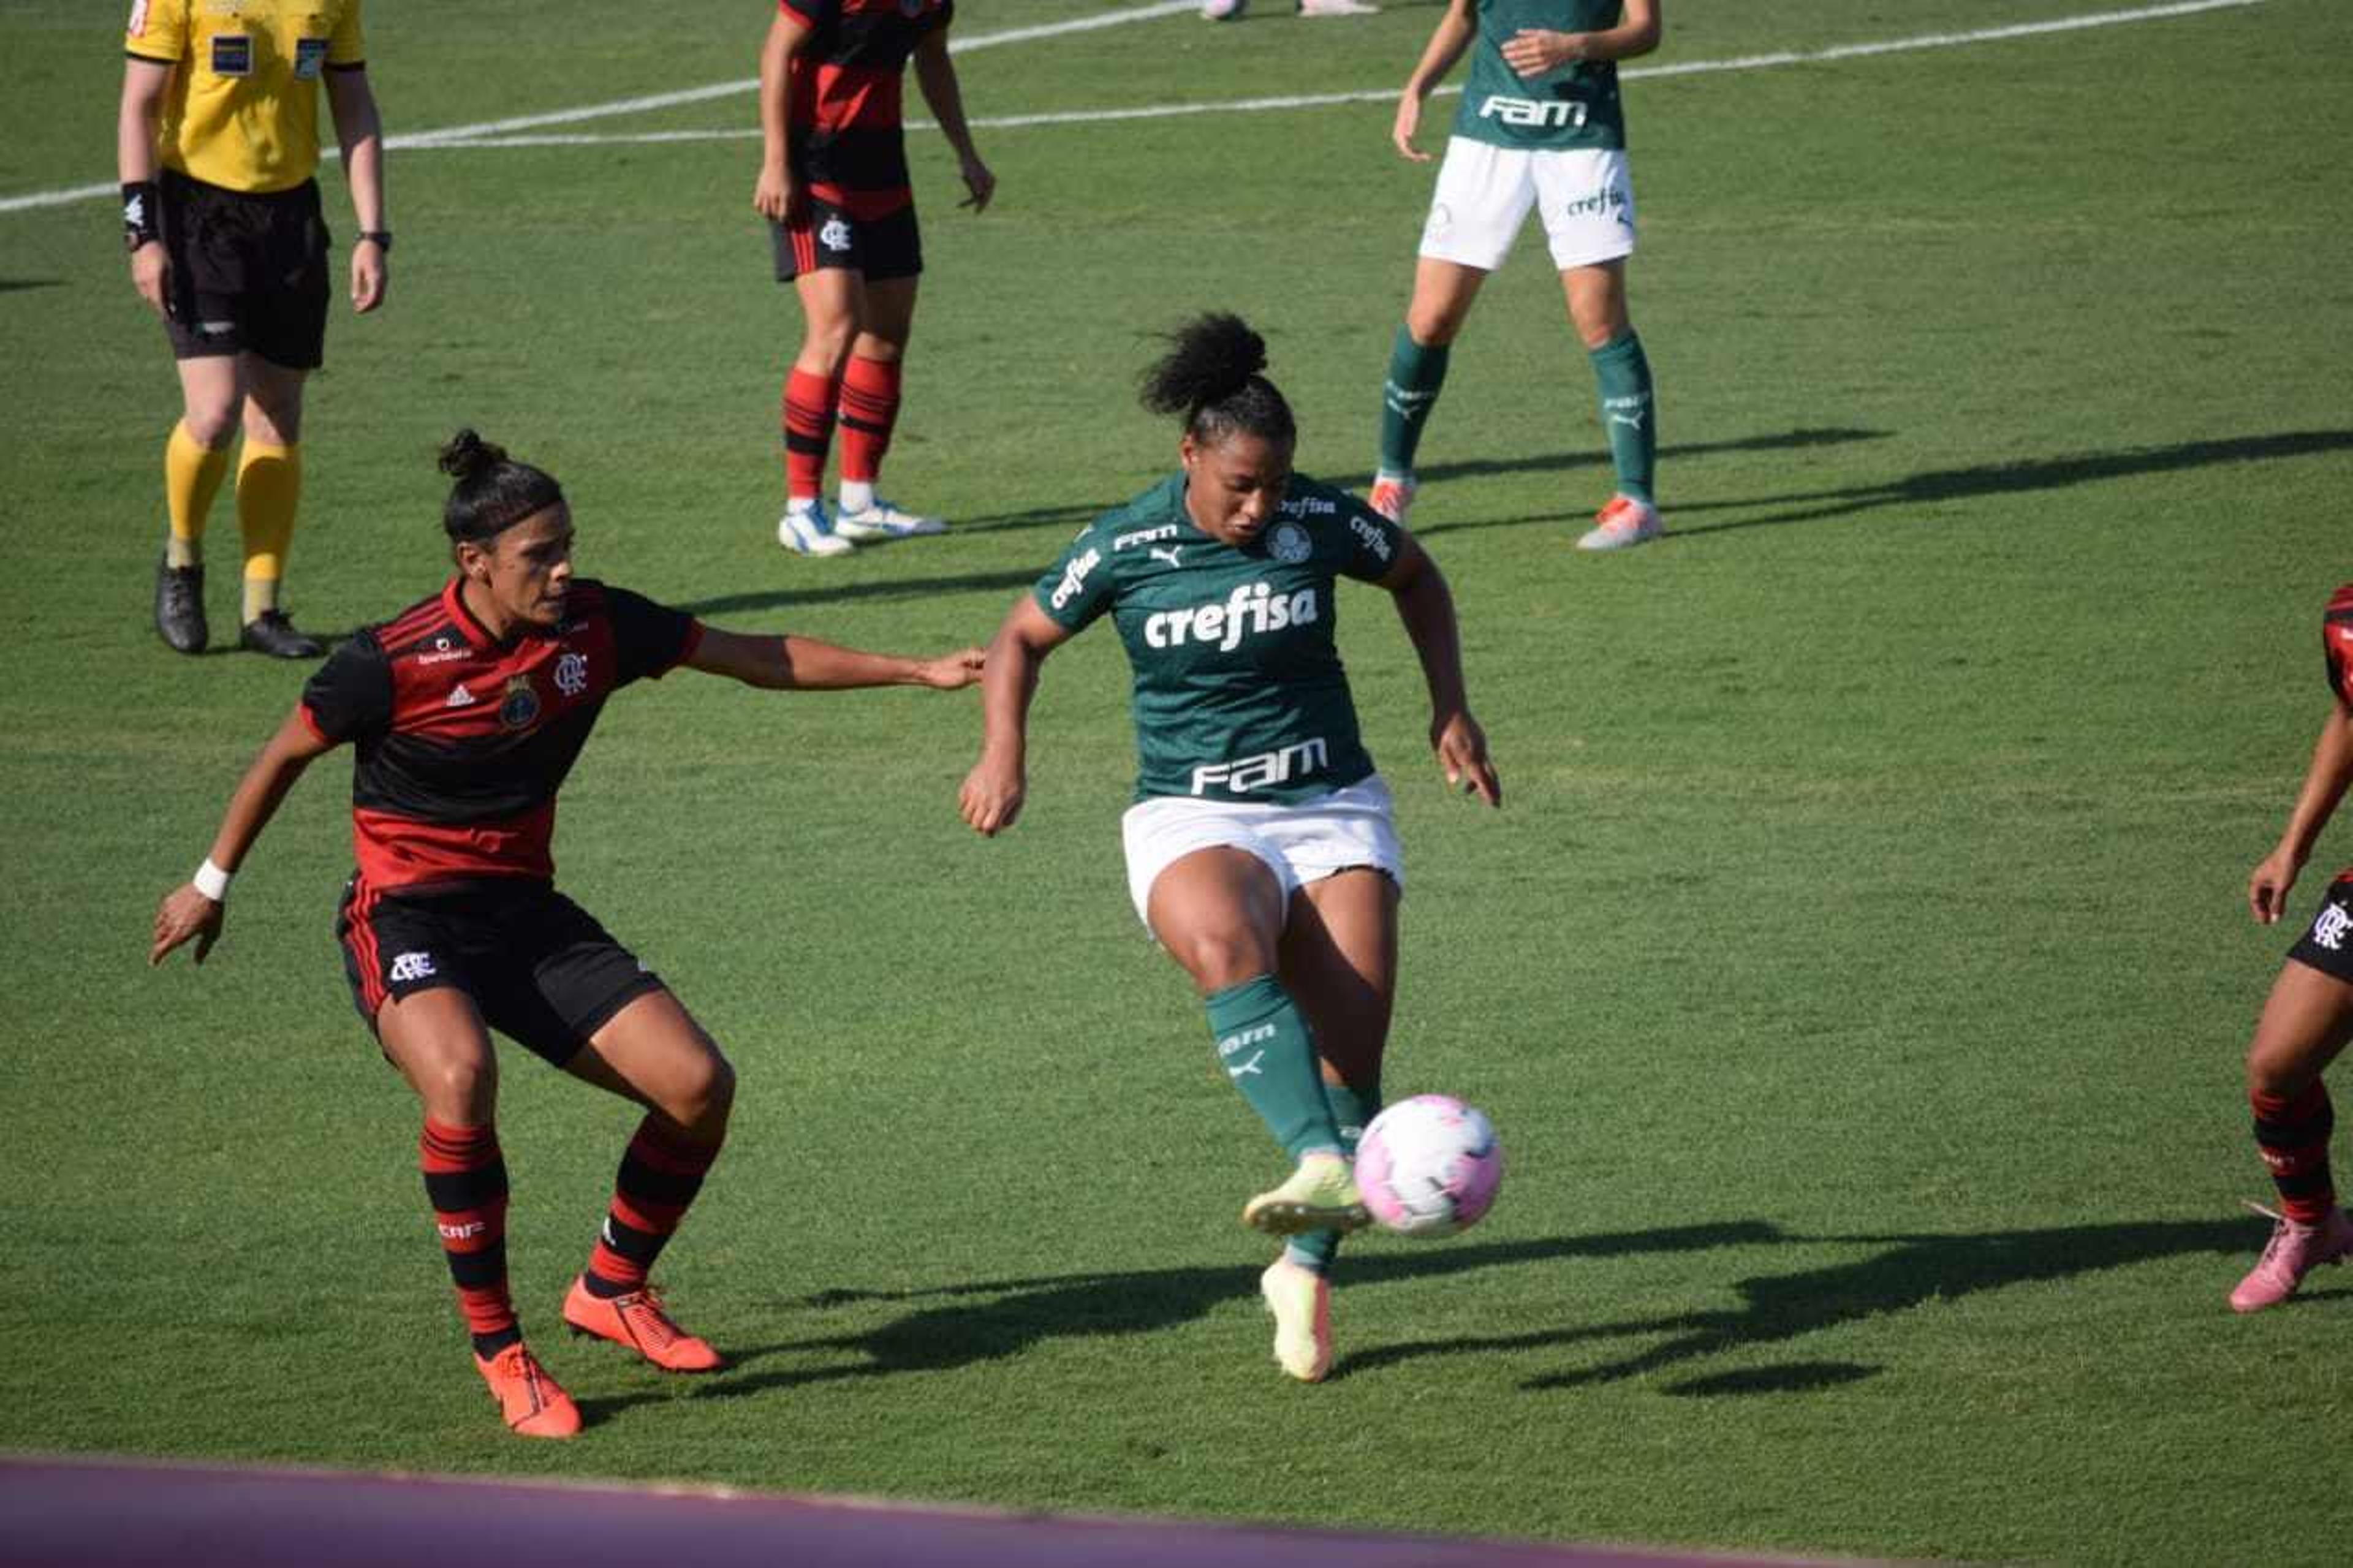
x,y
1303,842
1585,195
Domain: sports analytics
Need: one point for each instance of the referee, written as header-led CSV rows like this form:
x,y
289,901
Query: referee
x,y
217,142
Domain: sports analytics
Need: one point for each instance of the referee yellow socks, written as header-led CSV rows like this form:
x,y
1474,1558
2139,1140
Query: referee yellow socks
x,y
192,478
268,488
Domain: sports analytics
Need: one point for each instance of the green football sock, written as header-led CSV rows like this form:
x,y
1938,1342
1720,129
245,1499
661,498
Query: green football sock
x,y
1416,372
1628,412
1351,1108
1266,1050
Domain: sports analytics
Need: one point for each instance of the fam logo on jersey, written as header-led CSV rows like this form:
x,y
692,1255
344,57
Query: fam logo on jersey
x,y
1280,765
572,674
1074,577
1289,543
519,708
1146,536
834,235
1252,610
1563,113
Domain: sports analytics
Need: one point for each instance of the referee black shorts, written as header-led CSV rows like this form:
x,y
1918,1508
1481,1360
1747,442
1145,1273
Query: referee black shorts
x,y
539,967
248,271
2327,943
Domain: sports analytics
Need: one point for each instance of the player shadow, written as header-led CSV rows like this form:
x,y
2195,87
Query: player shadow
x,y
18,285
2031,476
956,1326
1913,1271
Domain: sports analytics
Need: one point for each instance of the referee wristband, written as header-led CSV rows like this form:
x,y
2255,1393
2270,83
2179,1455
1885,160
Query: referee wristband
x,y
212,881
139,225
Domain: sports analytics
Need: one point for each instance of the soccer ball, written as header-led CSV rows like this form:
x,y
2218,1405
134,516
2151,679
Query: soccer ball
x,y
1220,10
1429,1166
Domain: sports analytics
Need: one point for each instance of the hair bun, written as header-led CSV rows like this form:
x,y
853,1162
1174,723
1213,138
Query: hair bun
x,y
1209,359
467,456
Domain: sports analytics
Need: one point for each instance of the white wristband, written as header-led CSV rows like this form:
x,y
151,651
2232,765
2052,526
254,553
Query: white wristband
x,y
212,881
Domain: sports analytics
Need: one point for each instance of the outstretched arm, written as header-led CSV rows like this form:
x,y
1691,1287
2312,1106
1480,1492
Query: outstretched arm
x,y
1426,605
992,792
189,911
935,76
2325,783
804,664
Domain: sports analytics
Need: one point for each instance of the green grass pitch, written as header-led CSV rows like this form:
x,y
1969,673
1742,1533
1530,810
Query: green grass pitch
x,y
1857,974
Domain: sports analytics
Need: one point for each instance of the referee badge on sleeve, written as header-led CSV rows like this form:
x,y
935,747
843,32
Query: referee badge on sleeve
x,y
310,58
232,55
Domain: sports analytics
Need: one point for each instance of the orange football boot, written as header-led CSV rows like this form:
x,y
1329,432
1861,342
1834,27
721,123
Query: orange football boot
x,y
528,1398
637,1320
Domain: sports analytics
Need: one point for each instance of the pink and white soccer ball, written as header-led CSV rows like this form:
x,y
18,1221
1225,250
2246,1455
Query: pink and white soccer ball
x,y
1429,1166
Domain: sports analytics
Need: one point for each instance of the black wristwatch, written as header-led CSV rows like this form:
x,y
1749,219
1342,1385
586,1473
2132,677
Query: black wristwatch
x,y
382,237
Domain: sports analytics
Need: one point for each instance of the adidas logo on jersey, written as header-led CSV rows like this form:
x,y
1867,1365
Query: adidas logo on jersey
x,y
459,697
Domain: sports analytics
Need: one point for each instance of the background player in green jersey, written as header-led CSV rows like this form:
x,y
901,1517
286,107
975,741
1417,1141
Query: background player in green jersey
x,y
1540,126
1260,849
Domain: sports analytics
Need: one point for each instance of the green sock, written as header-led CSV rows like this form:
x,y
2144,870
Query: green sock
x,y
1626,412
1352,1107
1266,1050
1416,372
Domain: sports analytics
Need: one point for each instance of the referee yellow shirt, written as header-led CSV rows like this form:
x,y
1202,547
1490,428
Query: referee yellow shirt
x,y
242,109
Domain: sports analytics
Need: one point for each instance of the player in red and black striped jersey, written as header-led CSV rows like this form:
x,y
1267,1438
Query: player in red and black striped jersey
x,y
465,712
2309,1016
833,185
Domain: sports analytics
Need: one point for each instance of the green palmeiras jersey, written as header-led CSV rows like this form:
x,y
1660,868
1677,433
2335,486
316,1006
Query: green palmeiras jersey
x,y
1573,105
1239,693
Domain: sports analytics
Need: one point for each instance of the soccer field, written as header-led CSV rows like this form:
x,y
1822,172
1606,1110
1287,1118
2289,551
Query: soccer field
x,y
1857,971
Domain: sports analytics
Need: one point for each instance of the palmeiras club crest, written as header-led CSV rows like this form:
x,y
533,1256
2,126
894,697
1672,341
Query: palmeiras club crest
x,y
1289,543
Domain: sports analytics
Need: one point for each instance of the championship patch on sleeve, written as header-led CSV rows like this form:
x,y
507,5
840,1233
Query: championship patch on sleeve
x,y
310,58
232,55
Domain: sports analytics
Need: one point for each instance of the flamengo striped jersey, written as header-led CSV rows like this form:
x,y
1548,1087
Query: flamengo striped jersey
x,y
462,741
845,140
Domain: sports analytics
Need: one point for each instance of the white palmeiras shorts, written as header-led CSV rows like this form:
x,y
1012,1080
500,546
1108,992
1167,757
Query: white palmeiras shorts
x,y
1300,842
1584,194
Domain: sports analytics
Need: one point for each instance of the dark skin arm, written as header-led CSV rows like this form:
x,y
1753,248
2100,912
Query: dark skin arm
x,y
2325,783
1426,605
991,797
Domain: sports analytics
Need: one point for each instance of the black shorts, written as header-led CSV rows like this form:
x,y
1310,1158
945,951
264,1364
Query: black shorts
x,y
248,272
540,968
826,236
2327,943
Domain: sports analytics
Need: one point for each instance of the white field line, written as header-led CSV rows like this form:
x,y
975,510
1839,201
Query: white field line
x,y
499,133
1389,94
657,101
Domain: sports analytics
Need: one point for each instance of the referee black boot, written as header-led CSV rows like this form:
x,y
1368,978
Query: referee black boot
x,y
271,633
180,606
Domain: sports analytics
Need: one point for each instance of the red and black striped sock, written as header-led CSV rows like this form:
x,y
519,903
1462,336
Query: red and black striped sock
x,y
466,1180
869,408
810,401
659,1177
2293,1131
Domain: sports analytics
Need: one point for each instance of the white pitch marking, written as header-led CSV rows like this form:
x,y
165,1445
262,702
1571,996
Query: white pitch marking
x,y
1386,94
492,134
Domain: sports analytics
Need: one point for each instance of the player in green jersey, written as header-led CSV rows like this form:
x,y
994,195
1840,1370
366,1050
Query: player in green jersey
x,y
1260,848
1540,126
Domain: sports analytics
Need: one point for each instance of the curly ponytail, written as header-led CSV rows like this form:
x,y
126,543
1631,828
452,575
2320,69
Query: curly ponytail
x,y
1210,374
492,492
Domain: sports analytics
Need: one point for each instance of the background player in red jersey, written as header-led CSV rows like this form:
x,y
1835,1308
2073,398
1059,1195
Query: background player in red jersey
x,y
833,185
466,711
2309,1016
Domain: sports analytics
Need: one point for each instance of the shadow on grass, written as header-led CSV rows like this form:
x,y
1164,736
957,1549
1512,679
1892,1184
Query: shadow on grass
x,y
961,1325
2028,476
1913,1271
